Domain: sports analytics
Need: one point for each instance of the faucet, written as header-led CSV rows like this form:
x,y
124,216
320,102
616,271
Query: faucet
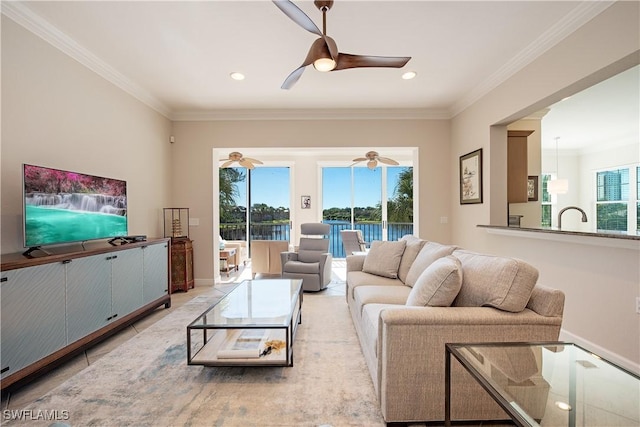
x,y
584,215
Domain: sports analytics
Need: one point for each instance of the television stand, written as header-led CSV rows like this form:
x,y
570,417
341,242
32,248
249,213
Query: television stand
x,y
27,253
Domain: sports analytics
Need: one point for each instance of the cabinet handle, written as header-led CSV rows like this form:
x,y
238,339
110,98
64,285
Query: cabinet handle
x,y
66,261
4,279
4,370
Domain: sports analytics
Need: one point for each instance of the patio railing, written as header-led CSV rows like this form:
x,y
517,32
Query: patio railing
x,y
270,231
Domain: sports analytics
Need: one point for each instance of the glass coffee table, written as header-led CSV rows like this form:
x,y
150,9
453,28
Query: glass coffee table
x,y
549,383
253,325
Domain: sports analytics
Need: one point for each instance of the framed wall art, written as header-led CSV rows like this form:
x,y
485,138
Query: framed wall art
x,y
471,177
305,202
532,188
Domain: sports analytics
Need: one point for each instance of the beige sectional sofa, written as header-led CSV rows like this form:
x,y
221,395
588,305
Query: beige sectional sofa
x,y
454,296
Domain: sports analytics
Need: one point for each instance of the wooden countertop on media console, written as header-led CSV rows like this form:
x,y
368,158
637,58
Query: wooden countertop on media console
x,y
17,260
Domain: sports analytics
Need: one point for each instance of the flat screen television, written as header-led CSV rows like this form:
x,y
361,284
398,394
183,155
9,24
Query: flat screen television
x,y
63,207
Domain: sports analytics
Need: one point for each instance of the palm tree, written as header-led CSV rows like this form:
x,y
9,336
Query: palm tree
x,y
229,178
400,208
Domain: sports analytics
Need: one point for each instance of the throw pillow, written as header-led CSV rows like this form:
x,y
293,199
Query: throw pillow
x,y
383,258
494,281
438,285
414,245
430,252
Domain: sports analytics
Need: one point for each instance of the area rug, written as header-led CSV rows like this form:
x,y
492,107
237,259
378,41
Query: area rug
x,y
147,382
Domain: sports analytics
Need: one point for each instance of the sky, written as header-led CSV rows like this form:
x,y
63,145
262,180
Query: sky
x,y
270,185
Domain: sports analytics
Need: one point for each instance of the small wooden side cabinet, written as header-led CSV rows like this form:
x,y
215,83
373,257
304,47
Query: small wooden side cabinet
x,y
181,265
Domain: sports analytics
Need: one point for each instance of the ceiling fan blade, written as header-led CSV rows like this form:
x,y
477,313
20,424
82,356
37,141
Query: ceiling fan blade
x,y
346,60
293,77
359,159
298,16
253,160
226,164
246,164
388,161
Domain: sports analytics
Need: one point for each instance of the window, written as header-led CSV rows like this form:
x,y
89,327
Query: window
x,y
617,207
546,202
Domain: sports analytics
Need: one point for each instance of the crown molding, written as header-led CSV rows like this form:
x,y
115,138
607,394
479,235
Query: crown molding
x,y
22,15
312,114
582,14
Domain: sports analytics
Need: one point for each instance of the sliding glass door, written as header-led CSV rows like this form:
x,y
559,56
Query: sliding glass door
x,y
266,191
379,202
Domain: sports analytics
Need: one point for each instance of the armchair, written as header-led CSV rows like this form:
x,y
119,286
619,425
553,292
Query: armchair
x,y
352,241
312,261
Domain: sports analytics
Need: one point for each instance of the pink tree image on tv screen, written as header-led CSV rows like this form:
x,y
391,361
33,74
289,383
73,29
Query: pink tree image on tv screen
x,y
63,206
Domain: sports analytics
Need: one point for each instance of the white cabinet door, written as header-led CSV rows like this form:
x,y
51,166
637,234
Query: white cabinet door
x,y
156,271
88,295
33,315
126,282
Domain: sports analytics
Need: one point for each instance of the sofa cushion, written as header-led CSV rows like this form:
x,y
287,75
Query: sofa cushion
x,y
414,245
356,279
438,285
499,282
380,295
383,259
430,252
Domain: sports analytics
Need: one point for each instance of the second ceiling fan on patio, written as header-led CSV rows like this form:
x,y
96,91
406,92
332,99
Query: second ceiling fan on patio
x,y
323,53
372,158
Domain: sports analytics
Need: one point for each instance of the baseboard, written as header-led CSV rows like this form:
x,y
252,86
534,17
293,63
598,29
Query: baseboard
x,y
600,351
203,282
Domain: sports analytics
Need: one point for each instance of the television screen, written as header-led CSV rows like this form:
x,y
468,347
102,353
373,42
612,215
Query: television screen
x,y
63,207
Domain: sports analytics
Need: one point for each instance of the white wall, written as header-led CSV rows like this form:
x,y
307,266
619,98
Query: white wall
x,y
192,157
600,282
57,113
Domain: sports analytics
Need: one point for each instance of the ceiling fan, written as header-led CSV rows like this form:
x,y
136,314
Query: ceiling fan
x,y
323,53
373,158
235,156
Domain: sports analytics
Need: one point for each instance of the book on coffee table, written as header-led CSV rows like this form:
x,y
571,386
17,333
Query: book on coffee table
x,y
244,344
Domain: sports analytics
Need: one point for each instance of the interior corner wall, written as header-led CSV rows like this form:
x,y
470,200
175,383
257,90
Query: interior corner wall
x,y
192,161
58,113
600,283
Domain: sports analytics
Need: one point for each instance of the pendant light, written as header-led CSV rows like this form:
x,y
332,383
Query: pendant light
x,y
557,186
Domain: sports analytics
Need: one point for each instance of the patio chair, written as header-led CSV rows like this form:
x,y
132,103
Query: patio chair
x,y
312,261
352,241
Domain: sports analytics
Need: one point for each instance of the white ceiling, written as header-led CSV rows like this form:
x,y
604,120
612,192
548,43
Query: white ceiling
x,y
176,56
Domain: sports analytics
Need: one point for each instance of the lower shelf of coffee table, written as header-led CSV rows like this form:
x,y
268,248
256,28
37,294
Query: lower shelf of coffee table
x,y
221,344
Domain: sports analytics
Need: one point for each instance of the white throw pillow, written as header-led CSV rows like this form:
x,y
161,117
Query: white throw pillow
x,y
430,252
383,259
438,285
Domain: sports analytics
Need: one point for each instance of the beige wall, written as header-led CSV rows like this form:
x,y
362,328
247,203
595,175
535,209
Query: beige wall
x,y
57,113
600,282
192,157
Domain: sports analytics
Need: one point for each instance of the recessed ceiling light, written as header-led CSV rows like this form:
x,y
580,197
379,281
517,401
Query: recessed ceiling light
x,y
563,405
409,75
237,76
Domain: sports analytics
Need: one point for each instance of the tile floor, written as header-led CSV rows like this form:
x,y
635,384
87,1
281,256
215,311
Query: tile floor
x,y
23,396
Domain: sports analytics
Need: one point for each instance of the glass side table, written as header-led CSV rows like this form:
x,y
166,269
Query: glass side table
x,y
549,383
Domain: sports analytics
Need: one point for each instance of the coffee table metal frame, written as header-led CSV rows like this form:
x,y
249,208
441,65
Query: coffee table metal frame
x,y
515,412
219,320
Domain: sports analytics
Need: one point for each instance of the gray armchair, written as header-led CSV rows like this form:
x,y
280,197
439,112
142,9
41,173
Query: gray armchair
x,y
352,241
312,261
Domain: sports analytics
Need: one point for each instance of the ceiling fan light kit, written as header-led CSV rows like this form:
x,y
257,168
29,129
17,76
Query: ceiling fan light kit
x,y
323,53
